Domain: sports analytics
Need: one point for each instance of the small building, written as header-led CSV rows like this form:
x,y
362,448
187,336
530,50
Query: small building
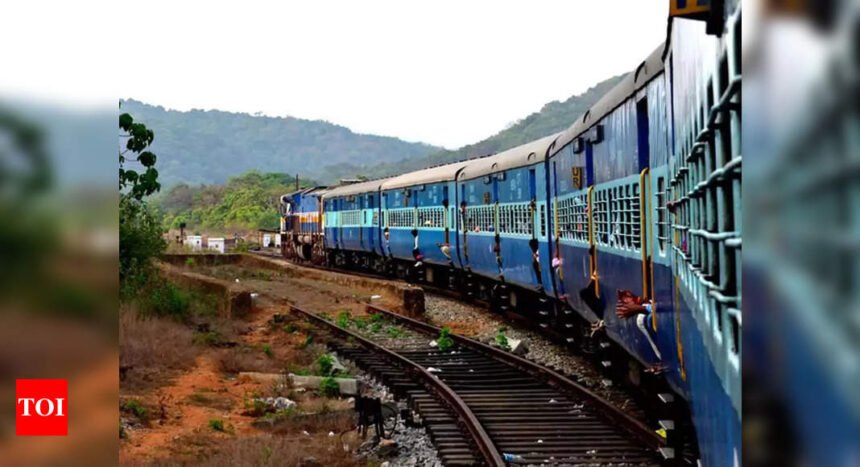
x,y
269,238
216,244
195,242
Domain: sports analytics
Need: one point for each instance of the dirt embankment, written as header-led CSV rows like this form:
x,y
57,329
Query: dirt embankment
x,y
181,397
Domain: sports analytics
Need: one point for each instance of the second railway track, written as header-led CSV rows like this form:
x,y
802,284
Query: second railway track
x,y
483,405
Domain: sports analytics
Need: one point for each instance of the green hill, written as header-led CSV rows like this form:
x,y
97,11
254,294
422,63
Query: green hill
x,y
208,147
553,117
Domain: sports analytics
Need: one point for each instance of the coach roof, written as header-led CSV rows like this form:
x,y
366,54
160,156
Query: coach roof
x,y
371,186
629,85
440,173
520,156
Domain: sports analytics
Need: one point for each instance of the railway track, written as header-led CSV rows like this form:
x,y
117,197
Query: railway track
x,y
483,405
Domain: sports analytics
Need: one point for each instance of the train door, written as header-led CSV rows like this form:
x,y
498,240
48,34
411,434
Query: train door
x,y
592,234
463,223
645,202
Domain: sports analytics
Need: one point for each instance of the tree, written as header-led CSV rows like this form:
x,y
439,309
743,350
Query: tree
x,y
140,230
139,138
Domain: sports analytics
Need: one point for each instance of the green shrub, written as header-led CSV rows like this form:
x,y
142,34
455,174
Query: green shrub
x,y
166,299
329,387
360,324
189,262
376,327
502,341
290,328
325,363
208,338
395,332
217,425
267,349
135,408
377,318
444,342
343,319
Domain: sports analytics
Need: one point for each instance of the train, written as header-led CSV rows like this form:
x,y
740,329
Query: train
x,y
620,235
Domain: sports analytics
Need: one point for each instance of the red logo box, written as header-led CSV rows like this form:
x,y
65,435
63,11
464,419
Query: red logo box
x,y
41,407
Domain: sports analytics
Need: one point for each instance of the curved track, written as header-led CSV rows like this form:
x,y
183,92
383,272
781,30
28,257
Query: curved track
x,y
484,405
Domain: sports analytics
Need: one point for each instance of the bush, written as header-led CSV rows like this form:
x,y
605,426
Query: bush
x,y
444,342
325,363
135,408
343,319
189,262
139,242
502,341
329,387
217,425
166,299
267,349
395,332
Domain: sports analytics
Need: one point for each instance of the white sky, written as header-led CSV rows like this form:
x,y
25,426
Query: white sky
x,y
443,72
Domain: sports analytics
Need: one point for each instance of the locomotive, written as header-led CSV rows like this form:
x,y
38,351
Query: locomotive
x,y
621,232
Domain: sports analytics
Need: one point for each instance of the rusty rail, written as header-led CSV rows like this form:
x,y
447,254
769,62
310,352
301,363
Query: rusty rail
x,y
637,429
482,440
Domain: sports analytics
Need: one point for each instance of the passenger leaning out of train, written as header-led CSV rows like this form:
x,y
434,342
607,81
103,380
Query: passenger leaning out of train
x,y
630,305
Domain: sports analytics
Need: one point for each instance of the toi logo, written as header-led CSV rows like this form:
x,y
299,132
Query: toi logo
x,y
41,407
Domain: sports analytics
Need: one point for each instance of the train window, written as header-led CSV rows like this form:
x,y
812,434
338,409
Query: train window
x,y
350,217
625,217
375,218
515,219
401,218
662,211
431,217
573,218
480,218
601,216
543,222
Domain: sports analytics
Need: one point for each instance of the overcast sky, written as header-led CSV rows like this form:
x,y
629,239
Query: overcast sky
x,y
444,72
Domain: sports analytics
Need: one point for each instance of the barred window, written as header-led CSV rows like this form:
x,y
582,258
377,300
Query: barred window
x,y
375,217
431,217
480,218
573,217
350,217
662,214
601,202
515,219
401,218
625,217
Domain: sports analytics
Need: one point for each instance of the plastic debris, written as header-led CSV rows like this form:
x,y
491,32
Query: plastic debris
x,y
254,295
433,369
552,401
433,343
331,433
508,457
305,433
375,297
540,441
237,280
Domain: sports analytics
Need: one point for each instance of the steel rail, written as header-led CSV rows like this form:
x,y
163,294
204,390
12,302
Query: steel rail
x,y
482,440
641,432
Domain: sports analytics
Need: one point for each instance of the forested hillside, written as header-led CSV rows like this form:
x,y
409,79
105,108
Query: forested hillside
x,y
246,202
250,201
206,147
553,117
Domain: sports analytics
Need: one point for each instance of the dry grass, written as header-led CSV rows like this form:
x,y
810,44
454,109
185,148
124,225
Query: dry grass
x,y
282,450
153,349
